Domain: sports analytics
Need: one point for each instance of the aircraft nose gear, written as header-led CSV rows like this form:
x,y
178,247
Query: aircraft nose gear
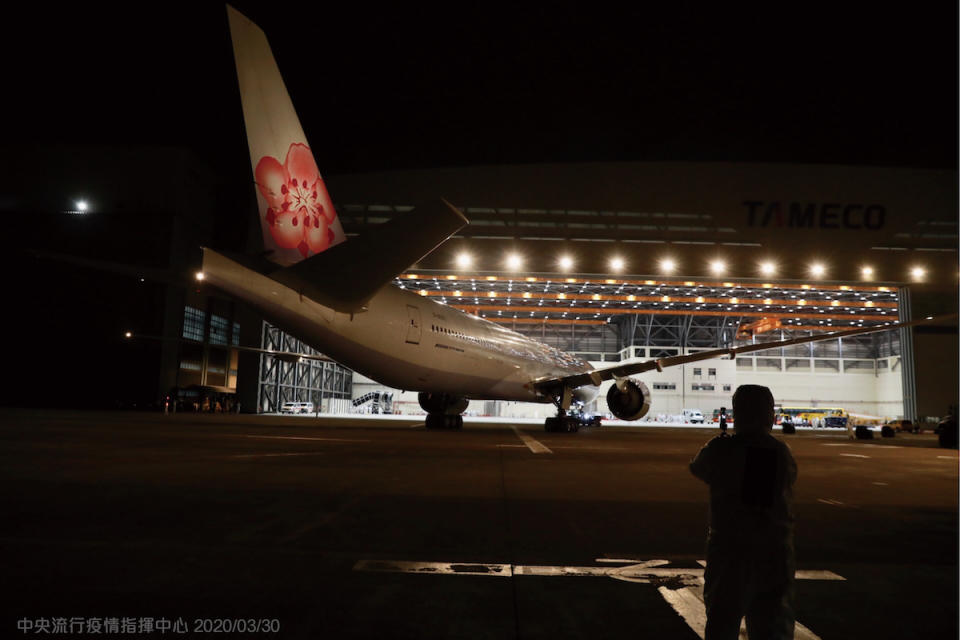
x,y
562,422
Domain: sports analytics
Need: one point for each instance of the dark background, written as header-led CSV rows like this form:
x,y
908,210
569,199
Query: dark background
x,y
399,86
410,86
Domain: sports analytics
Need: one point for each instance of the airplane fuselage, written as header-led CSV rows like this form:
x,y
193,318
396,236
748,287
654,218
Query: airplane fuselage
x,y
406,341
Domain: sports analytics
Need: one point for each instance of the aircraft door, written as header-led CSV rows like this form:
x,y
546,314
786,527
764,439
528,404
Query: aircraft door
x,y
413,324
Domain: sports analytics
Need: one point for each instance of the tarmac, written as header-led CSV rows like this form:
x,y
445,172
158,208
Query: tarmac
x,y
306,527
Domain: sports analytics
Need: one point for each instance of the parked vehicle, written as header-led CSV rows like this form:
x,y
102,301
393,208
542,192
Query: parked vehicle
x,y
296,407
693,416
948,435
903,425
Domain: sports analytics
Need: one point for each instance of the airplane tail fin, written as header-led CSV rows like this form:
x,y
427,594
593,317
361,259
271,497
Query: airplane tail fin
x,y
297,217
348,275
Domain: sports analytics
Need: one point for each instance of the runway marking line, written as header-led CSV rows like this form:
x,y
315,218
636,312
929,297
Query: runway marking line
x,y
681,588
277,455
532,443
588,448
854,455
835,503
947,457
245,435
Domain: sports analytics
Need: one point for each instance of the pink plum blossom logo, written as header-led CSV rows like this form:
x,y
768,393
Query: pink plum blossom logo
x,y
299,212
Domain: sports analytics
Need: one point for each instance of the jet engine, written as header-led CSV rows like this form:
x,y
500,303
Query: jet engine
x,y
442,403
628,399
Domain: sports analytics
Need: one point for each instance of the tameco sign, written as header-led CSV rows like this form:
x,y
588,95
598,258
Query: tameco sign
x,y
812,215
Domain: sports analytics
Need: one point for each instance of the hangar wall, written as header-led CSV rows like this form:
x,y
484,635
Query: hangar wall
x,y
874,390
893,220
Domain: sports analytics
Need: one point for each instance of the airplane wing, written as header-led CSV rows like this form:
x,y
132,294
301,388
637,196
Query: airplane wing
x,y
286,356
596,376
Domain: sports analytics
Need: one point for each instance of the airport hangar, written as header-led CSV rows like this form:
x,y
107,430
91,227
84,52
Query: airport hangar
x,y
661,258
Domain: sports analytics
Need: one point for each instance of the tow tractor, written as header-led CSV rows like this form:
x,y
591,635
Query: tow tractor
x,y
571,420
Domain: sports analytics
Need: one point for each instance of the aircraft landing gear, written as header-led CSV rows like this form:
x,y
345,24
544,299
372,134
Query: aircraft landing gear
x,y
444,421
562,423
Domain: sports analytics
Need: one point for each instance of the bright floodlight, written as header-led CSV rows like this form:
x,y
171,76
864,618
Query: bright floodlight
x,y
718,267
918,272
128,334
866,272
667,265
199,275
464,260
817,269
767,268
616,264
82,206
514,261
566,262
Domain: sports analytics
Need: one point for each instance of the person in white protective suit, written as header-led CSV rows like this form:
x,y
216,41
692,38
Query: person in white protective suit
x,y
750,558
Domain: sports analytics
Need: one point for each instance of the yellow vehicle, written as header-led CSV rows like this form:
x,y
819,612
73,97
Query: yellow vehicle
x,y
814,416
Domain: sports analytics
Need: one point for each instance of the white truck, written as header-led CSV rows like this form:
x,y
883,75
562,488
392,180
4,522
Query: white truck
x,y
693,416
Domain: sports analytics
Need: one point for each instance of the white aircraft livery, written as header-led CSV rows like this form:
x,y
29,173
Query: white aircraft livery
x,y
339,296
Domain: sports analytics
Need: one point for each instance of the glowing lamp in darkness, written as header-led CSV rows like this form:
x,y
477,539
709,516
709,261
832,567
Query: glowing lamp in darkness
x,y
616,264
514,261
768,268
918,272
464,260
566,263
717,267
817,269
200,276
82,206
667,265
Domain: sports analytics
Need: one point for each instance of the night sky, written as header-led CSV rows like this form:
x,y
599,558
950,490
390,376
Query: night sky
x,y
404,86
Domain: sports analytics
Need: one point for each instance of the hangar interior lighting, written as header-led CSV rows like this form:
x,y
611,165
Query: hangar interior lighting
x,y
82,206
565,262
867,272
616,263
199,276
817,269
918,272
768,268
667,265
718,266
514,261
464,260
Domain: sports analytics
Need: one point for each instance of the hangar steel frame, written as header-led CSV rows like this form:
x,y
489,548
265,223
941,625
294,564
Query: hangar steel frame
x,y
325,383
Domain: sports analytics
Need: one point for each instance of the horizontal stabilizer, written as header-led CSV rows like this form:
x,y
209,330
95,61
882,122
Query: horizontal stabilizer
x,y
346,276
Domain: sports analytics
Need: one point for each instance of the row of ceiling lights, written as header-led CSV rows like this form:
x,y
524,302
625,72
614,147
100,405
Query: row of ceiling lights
x,y
863,302
515,262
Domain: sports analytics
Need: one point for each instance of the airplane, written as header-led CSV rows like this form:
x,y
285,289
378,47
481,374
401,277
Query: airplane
x,y
339,297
